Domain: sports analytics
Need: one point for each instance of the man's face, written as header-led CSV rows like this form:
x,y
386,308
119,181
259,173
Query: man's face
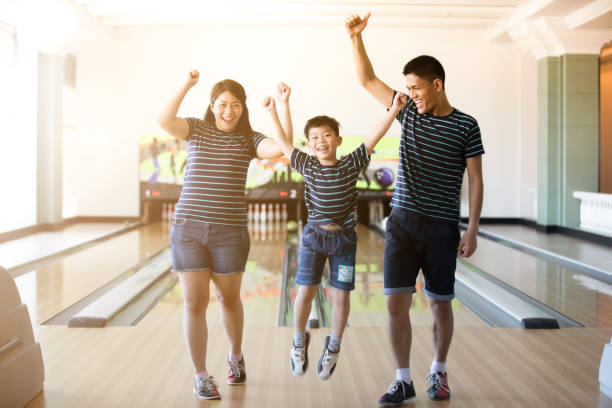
x,y
425,94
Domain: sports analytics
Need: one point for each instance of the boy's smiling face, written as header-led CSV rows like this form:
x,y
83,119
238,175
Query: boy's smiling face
x,y
323,142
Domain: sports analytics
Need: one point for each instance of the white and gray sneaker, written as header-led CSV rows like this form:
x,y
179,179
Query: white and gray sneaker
x,y
327,362
299,357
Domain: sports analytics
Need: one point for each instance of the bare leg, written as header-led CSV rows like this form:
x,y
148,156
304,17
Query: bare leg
x,y
301,308
443,323
195,285
227,290
400,330
341,300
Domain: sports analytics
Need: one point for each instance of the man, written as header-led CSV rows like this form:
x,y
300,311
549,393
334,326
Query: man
x,y
438,143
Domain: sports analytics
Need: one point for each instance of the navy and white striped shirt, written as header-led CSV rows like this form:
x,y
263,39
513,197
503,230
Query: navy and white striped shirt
x,y
330,192
217,165
432,159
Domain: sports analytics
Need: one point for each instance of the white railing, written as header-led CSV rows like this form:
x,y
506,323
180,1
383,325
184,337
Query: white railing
x,y
595,211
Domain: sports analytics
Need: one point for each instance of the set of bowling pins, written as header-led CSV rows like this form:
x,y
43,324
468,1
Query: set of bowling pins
x,y
168,211
265,220
376,211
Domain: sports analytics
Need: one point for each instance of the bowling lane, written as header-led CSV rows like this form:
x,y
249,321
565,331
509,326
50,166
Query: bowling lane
x,y
368,304
57,285
579,297
260,291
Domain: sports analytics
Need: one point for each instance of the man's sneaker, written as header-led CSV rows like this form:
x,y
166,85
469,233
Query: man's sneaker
x,y
327,362
206,388
398,392
237,373
437,384
299,357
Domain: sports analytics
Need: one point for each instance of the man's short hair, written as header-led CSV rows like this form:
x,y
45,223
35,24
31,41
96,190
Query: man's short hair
x,y
322,120
426,67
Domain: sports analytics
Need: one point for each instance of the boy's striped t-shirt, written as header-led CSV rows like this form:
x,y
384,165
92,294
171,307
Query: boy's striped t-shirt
x,y
329,191
216,171
432,159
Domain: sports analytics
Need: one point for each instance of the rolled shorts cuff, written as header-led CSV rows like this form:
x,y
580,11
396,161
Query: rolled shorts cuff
x,y
205,269
305,282
439,297
393,291
338,286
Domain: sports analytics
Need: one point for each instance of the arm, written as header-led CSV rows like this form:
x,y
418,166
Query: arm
x,y
365,73
468,243
277,131
285,117
167,119
381,128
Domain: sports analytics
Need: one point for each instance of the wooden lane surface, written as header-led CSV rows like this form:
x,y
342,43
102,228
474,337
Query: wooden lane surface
x,y
61,283
488,367
260,291
577,296
36,246
368,304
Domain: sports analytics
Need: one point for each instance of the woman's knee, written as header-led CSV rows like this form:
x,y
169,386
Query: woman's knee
x,y
195,303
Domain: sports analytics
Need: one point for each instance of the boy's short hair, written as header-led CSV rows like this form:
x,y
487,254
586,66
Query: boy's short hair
x,y
426,67
322,120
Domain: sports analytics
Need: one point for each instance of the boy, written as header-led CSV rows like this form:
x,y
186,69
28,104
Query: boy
x,y
331,197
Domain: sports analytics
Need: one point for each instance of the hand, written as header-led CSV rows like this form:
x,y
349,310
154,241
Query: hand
x,y
399,101
192,79
269,104
283,92
467,245
355,24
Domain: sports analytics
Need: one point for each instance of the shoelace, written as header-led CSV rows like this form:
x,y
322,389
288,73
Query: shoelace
x,y
394,386
208,384
437,381
329,357
298,352
235,366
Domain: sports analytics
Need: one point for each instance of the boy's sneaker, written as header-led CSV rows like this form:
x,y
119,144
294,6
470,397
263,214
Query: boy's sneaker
x,y
437,384
206,388
398,392
237,373
299,357
327,362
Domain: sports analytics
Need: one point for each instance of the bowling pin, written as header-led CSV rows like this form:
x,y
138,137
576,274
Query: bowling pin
x,y
270,212
250,213
262,215
263,230
277,214
164,214
284,213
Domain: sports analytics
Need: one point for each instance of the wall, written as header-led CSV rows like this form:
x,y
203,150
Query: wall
x,y
123,82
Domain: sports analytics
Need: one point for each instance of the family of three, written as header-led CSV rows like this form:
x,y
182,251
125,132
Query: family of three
x,y
210,240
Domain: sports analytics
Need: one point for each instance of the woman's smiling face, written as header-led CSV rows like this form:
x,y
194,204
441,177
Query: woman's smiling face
x,y
227,110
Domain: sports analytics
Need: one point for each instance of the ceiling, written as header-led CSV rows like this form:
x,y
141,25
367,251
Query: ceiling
x,y
488,14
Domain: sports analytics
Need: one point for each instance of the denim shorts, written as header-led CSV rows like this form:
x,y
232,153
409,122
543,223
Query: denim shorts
x,y
416,242
339,246
196,245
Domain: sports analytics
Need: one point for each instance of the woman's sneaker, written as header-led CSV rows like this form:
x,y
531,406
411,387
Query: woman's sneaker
x,y
298,358
237,373
327,362
437,386
206,388
398,392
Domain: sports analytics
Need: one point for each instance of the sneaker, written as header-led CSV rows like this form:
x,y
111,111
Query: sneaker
x,y
398,392
237,373
206,388
438,386
299,358
327,362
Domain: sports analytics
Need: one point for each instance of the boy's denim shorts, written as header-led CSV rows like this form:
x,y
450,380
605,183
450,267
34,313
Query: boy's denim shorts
x,y
196,245
339,246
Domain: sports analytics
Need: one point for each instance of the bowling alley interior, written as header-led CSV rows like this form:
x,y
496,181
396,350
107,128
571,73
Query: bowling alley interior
x,y
93,184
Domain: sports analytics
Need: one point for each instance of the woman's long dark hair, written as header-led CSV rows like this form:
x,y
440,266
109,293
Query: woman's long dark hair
x,y
244,125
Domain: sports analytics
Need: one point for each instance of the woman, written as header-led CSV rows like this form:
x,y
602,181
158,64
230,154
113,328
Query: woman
x,y
209,237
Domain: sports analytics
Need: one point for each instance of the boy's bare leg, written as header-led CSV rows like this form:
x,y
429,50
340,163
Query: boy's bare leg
x,y
301,307
341,300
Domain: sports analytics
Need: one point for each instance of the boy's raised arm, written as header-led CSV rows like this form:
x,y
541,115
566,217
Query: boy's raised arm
x,y
283,93
277,129
381,128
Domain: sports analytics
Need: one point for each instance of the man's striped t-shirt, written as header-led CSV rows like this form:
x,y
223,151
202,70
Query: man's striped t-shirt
x,y
216,171
329,191
432,159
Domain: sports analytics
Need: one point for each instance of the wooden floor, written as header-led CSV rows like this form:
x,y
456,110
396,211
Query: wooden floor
x,y
488,367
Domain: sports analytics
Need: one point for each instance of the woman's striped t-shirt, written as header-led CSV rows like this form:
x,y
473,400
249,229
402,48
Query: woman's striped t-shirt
x,y
432,159
216,171
329,191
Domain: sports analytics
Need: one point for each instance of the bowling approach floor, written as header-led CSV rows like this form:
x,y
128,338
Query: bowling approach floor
x,y
148,365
